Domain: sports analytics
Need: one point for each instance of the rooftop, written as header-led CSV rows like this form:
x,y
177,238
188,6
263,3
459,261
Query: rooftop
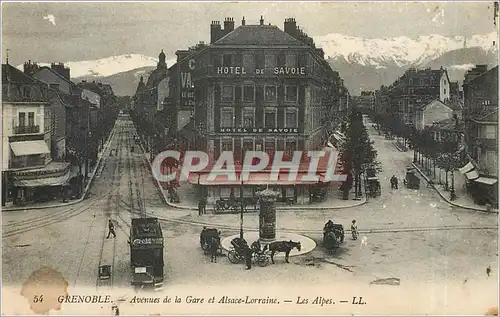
x,y
269,35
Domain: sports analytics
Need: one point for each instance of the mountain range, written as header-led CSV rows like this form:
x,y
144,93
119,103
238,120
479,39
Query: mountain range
x,y
364,64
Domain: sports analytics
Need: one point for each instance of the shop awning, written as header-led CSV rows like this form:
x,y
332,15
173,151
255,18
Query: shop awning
x,y
40,182
472,175
466,168
486,180
29,148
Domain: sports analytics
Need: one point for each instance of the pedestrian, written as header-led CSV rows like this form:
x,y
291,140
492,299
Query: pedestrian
x,y
200,207
354,230
111,228
248,257
203,206
395,182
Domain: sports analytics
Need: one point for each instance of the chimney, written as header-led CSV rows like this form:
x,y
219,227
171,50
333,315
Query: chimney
x,y
228,25
215,31
261,20
290,27
181,54
243,21
60,69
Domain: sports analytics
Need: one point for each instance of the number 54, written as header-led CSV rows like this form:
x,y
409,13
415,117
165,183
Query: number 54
x,y
38,299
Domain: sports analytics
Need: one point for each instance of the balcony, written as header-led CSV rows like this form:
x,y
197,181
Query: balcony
x,y
27,129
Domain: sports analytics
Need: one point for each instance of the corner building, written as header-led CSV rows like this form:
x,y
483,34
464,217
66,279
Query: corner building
x,y
261,88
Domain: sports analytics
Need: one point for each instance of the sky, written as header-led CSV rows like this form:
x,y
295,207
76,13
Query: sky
x,y
64,31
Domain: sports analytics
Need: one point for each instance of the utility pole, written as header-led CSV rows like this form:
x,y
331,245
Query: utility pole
x,y
241,207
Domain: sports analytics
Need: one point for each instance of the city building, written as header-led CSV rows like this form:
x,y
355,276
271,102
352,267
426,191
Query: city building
x,y
481,133
28,171
257,87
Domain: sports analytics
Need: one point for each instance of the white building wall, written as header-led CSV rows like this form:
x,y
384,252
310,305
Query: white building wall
x,y
444,87
91,96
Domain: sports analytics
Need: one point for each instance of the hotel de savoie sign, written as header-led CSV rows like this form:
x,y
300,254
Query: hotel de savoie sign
x,y
259,130
240,70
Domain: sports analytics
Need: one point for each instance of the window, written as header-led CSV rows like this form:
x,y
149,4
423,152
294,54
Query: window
x,y
270,93
291,93
410,90
248,117
290,147
302,60
247,145
227,93
445,91
22,119
291,118
226,144
227,117
31,119
248,93
260,61
410,81
270,118
226,60
291,60
421,82
281,60
490,132
249,62
270,146
270,61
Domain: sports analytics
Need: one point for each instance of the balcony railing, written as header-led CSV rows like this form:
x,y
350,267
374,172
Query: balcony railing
x,y
26,129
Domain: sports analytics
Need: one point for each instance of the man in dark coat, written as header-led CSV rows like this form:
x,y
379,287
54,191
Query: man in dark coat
x,y
111,228
248,257
214,247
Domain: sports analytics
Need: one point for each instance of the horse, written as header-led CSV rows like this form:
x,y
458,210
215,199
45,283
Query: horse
x,y
282,246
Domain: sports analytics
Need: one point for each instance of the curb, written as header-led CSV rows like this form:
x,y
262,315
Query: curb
x,y
165,198
398,147
427,179
85,191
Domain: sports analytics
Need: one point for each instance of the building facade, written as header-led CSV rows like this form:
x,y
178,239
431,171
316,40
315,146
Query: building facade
x,y
434,112
27,169
481,130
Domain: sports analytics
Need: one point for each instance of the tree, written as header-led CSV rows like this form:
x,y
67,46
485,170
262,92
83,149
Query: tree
x,y
357,153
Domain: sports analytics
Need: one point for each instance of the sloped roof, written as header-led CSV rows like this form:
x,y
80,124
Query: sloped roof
x,y
269,35
16,76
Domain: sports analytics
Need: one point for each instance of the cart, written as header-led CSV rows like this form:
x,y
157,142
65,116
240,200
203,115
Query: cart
x,y
411,181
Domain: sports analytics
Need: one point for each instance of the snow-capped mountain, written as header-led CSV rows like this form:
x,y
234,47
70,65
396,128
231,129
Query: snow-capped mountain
x,y
400,51
108,66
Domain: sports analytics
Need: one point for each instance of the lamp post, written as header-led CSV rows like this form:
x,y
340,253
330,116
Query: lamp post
x,y
241,208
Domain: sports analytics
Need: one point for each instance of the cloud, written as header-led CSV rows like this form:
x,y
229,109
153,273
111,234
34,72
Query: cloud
x,y
50,18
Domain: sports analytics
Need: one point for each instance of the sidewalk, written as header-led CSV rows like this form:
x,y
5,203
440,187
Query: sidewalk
x,y
463,199
93,172
187,192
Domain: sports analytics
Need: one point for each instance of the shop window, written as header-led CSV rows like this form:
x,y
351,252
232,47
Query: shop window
x,y
31,119
225,192
291,93
248,117
22,119
248,93
291,118
247,192
270,93
227,93
270,118
227,117
291,60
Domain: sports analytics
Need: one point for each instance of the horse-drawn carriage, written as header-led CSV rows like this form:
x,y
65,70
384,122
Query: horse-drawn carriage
x,y
239,250
209,240
372,183
233,204
333,235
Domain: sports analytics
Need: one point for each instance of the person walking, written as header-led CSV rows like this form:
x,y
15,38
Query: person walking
x,y
200,207
214,247
111,228
354,230
248,257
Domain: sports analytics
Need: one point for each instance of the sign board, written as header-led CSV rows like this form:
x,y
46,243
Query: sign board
x,y
260,130
186,82
276,71
146,241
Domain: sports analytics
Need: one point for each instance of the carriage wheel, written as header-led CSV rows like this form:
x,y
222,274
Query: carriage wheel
x,y
262,260
233,257
218,208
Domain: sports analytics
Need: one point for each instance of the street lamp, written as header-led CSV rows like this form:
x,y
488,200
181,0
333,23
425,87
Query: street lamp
x,y
241,207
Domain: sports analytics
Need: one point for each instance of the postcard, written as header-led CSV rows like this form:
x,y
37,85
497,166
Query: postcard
x,y
248,158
